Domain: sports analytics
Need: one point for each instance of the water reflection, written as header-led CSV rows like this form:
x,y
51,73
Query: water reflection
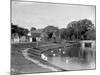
x,y
71,58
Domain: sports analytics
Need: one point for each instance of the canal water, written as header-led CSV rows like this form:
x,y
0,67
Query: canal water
x,y
71,58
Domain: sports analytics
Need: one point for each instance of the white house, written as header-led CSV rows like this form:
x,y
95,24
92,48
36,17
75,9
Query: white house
x,y
88,44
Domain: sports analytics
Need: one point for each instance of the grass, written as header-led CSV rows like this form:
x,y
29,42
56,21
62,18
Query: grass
x,y
21,65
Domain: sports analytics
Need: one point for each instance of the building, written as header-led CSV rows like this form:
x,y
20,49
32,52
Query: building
x,y
14,38
36,35
88,44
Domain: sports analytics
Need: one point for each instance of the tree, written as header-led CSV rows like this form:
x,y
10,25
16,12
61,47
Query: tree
x,y
32,29
64,34
80,28
49,30
13,28
91,34
67,34
19,30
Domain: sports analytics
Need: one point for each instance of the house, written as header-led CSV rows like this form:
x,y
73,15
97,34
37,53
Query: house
x,y
14,38
23,39
36,35
88,44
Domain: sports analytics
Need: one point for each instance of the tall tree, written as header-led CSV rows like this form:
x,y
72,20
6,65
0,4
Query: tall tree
x,y
19,30
80,28
32,29
49,30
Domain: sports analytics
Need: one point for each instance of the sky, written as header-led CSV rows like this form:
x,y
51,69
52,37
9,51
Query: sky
x,y
36,14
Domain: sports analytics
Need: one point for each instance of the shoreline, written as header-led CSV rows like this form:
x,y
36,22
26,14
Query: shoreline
x,y
25,54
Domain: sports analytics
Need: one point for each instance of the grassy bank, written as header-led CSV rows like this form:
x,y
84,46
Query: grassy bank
x,y
21,65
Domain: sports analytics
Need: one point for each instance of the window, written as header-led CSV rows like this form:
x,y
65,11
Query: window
x,y
88,45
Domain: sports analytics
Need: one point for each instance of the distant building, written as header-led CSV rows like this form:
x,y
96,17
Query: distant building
x,y
15,38
88,44
36,35
23,39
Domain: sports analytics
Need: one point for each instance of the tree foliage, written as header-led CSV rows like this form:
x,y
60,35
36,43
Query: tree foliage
x,y
19,30
32,29
49,30
79,30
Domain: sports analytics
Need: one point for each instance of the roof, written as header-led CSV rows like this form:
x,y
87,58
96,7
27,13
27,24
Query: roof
x,y
35,34
37,31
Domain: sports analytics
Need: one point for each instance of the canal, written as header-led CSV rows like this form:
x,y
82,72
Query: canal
x,y
71,58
